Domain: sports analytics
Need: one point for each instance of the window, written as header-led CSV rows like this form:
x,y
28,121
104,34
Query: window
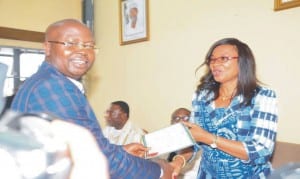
x,y
22,63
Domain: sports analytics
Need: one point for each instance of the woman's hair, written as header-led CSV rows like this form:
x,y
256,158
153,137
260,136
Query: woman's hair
x,y
247,80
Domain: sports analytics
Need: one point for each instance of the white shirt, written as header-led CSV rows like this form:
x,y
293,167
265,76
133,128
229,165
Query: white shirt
x,y
128,134
78,84
190,171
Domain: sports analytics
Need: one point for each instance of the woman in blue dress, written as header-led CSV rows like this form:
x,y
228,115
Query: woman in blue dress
x,y
234,118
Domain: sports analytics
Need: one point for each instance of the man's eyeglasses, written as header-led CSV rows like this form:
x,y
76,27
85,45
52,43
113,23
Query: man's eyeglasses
x,y
80,45
222,59
112,112
181,118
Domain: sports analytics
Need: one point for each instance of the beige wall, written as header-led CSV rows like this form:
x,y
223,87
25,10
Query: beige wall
x,y
35,15
157,76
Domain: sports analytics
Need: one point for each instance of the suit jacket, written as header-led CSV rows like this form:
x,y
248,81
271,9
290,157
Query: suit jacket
x,y
51,92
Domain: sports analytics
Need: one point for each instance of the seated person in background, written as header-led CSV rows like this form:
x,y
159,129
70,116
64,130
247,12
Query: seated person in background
x,y
191,168
119,129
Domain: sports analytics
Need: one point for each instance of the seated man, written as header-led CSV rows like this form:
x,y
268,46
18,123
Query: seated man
x,y
119,129
191,169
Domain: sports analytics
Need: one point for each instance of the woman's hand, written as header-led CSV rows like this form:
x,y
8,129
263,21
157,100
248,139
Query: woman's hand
x,y
177,166
166,167
197,132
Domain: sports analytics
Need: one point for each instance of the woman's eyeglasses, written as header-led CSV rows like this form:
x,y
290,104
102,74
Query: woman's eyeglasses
x,y
112,112
221,60
181,118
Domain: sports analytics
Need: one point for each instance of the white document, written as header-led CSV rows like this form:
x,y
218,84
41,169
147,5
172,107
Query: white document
x,y
169,139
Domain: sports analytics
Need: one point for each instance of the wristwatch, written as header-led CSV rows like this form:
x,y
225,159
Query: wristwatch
x,y
214,144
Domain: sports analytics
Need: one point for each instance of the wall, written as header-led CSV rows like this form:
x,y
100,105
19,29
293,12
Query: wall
x,y
157,76
35,15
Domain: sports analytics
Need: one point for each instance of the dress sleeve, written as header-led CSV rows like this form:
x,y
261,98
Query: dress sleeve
x,y
263,127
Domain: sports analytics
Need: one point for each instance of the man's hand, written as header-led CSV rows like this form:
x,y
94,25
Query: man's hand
x,y
136,149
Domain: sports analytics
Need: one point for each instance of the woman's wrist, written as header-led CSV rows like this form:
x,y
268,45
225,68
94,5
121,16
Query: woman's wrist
x,y
180,158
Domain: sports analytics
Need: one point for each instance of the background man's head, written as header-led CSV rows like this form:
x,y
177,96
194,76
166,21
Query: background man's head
x,y
69,47
117,114
180,114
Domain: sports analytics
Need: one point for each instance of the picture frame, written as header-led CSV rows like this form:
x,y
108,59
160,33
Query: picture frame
x,y
134,21
285,4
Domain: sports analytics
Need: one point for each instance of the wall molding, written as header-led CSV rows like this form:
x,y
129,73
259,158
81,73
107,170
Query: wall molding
x,y
19,34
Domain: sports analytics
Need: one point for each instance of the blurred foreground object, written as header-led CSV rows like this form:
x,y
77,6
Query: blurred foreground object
x,y
288,171
29,149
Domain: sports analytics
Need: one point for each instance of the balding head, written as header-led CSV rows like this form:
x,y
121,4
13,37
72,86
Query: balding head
x,y
69,47
180,114
54,30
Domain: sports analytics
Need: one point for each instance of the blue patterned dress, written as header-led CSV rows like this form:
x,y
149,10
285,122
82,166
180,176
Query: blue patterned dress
x,y
254,125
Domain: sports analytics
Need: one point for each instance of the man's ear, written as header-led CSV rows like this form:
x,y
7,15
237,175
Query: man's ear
x,y
125,115
47,47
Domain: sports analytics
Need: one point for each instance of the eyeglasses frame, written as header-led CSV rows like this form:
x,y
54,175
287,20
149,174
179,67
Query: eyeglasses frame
x,y
80,45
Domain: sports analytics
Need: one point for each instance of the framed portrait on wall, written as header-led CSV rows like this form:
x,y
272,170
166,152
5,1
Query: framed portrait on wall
x,y
285,4
134,21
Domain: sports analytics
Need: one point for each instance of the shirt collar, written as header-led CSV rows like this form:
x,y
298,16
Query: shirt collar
x,y
78,84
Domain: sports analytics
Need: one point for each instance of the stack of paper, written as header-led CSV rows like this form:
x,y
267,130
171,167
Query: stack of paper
x,y
169,139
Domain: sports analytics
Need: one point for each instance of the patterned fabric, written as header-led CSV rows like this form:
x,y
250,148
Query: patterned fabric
x,y
254,125
51,92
